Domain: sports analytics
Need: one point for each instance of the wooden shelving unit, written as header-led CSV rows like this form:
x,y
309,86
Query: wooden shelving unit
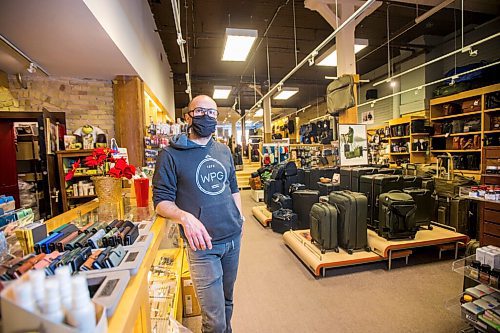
x,y
414,156
64,162
437,116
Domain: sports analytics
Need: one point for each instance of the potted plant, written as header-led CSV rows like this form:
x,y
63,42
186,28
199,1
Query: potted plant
x,y
108,182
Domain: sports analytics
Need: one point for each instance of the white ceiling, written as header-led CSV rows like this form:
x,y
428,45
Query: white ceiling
x,y
61,36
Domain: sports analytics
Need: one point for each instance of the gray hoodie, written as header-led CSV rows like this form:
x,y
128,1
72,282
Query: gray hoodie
x,y
200,180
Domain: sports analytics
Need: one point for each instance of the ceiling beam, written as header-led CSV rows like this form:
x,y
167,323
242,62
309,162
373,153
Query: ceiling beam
x,y
477,6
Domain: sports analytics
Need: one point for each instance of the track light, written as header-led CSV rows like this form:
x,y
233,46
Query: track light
x,y
31,68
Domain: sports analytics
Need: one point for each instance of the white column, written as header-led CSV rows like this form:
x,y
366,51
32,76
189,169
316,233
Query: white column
x,y
267,120
346,58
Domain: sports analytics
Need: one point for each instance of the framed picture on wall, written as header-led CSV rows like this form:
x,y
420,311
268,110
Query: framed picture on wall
x,y
353,145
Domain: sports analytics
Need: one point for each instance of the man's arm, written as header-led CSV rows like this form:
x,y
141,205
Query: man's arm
x,y
196,234
237,201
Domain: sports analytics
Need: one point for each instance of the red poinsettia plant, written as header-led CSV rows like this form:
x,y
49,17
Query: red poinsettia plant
x,y
101,158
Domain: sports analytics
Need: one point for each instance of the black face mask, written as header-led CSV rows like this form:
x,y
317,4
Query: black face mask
x,y
203,126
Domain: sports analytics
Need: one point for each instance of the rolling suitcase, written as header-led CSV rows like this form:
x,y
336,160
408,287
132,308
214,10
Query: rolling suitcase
x,y
425,205
412,181
397,215
345,178
453,212
300,175
303,200
324,232
390,171
271,186
280,201
372,186
287,182
356,174
295,187
326,188
353,234
283,220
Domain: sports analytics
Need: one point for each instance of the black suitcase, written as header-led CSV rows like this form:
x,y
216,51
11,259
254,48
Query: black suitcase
x,y
345,178
356,174
280,201
301,175
324,232
454,212
287,182
307,178
425,205
283,220
353,234
303,200
390,171
326,188
271,186
372,186
412,181
295,187
397,215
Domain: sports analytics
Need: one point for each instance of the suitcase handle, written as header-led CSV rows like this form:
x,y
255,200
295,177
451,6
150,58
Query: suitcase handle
x,y
395,191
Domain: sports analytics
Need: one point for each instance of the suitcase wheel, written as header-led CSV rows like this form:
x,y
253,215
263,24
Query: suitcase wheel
x,y
323,251
430,227
350,251
336,250
368,249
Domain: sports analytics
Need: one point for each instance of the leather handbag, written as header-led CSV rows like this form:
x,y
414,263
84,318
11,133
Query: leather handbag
x,y
438,128
456,143
471,105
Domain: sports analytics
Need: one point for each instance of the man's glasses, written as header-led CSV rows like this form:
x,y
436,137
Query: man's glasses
x,y
213,113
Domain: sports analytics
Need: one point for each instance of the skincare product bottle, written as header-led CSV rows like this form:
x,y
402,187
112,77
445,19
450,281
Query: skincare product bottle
x,y
63,276
51,308
82,313
24,296
37,281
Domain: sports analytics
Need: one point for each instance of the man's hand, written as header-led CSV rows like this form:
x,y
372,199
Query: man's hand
x,y
196,234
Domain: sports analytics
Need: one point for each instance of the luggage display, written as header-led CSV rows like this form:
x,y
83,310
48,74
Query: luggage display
x,y
453,212
324,219
356,174
326,188
352,229
283,170
271,186
425,205
411,181
301,175
313,176
303,200
397,215
283,220
372,186
287,182
390,171
295,187
280,201
345,178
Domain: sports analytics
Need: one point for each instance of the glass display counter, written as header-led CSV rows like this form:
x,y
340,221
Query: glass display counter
x,y
152,299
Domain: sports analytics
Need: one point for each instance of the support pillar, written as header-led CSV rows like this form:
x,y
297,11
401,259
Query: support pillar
x,y
267,120
234,132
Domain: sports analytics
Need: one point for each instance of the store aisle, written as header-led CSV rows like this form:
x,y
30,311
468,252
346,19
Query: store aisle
x,y
276,293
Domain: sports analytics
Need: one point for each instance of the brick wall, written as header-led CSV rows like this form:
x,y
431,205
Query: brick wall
x,y
84,101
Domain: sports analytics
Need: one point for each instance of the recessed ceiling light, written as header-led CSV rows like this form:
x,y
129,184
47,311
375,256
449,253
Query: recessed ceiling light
x,y
286,93
238,44
221,92
329,58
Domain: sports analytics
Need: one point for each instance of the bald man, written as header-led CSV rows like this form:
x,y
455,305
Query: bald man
x,y
195,185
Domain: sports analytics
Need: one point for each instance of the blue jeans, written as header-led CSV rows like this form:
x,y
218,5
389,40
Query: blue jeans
x,y
213,273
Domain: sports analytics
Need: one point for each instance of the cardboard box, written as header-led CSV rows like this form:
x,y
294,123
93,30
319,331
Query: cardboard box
x,y
492,258
191,305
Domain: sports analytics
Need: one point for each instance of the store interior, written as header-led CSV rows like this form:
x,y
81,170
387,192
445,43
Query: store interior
x,y
365,136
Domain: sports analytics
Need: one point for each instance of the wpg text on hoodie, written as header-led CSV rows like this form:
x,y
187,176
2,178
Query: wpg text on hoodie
x,y
201,181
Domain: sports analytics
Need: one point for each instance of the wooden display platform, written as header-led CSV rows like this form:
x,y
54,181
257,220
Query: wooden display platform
x,y
262,215
299,242
258,195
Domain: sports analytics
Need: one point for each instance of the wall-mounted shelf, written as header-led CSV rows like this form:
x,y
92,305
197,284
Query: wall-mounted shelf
x,y
457,151
456,134
492,110
458,115
400,137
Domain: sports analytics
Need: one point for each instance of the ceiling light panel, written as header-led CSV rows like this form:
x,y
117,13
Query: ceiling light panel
x,y
221,92
329,58
259,113
238,44
286,93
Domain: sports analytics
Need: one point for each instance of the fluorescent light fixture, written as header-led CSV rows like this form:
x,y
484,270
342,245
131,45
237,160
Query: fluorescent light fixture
x,y
259,113
238,44
329,58
286,93
222,92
